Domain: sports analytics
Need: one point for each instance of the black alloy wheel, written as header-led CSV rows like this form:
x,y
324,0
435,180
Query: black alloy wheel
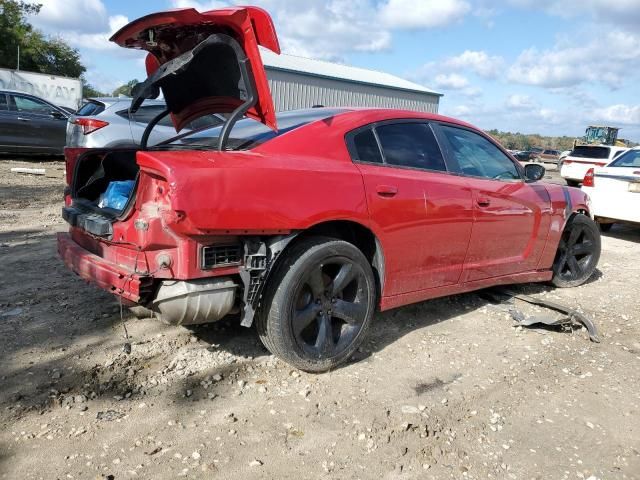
x,y
319,303
330,307
578,252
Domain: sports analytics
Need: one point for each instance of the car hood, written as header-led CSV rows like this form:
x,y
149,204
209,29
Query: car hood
x,y
205,62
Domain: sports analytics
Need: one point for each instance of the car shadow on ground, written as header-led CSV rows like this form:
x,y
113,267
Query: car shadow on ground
x,y
386,328
36,158
623,231
45,308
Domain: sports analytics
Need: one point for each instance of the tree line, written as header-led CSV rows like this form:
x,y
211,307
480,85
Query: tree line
x,y
41,53
521,141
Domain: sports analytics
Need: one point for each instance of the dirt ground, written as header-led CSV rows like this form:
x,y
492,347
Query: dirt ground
x,y
442,389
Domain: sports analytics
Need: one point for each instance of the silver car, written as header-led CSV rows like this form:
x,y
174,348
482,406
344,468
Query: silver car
x,y
105,122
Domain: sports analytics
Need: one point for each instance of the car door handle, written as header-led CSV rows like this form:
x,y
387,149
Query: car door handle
x,y
483,202
387,190
22,119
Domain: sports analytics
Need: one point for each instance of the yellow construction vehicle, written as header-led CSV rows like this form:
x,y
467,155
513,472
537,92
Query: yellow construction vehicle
x,y
600,135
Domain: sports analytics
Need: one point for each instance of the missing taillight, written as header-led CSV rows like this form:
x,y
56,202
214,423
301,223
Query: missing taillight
x,y
90,125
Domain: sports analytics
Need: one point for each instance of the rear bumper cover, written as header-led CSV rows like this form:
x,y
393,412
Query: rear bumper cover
x,y
108,276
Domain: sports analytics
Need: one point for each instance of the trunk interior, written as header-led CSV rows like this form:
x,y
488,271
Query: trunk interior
x,y
105,181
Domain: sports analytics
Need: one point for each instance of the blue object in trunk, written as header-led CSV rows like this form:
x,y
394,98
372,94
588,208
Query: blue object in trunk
x,y
117,195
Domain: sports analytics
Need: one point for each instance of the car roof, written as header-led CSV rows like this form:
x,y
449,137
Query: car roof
x,y
112,100
372,115
8,90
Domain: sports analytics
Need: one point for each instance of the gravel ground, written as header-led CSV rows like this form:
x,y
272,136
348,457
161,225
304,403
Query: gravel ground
x,y
448,388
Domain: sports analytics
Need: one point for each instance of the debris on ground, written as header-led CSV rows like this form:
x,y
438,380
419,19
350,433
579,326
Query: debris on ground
x,y
29,171
570,318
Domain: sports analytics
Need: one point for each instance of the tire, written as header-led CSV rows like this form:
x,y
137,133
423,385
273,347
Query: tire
x,y
605,227
572,183
319,303
578,252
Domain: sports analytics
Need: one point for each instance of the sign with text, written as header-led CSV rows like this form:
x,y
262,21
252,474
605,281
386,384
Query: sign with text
x,y
63,91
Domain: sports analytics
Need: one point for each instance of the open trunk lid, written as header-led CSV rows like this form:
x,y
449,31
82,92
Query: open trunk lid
x,y
206,62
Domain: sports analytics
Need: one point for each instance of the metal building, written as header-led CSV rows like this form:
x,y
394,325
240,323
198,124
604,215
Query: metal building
x,y
298,82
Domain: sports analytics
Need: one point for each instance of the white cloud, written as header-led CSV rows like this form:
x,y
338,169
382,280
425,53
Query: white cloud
x,y
472,92
619,12
100,41
619,114
412,14
460,111
451,80
480,62
317,28
57,16
200,6
520,102
612,58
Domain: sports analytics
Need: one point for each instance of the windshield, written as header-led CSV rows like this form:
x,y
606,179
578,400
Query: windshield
x,y
249,133
631,158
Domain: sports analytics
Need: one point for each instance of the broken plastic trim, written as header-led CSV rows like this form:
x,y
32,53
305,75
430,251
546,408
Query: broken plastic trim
x,y
150,87
259,260
573,315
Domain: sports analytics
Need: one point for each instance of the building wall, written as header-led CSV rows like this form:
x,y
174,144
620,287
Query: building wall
x,y
292,90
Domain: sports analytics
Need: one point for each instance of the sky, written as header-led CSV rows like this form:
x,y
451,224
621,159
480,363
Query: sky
x,y
529,66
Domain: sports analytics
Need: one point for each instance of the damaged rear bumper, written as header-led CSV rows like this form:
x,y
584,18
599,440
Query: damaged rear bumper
x,y
108,276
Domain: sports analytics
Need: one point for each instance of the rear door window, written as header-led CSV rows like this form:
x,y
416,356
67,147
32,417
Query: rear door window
x,y
478,157
146,113
4,105
90,109
366,147
631,158
410,145
31,105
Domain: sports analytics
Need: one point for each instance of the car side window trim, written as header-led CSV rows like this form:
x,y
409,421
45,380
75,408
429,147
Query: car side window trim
x,y
351,147
450,159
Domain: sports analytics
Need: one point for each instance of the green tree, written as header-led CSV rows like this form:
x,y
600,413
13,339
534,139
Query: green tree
x,y
38,53
89,90
125,89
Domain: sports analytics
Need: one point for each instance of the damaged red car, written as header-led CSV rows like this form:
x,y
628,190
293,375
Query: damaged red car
x,y
303,222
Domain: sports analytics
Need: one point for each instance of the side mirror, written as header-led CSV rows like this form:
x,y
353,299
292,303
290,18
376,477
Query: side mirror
x,y
534,172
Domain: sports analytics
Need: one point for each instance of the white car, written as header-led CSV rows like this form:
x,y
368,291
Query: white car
x,y
615,190
575,165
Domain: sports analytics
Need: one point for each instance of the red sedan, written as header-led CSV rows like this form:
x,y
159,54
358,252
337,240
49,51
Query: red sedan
x,y
307,221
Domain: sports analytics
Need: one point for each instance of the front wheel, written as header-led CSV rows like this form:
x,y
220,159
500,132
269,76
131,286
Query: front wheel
x,y
318,304
578,252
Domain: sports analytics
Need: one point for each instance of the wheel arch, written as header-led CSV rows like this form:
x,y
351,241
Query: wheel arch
x,y
275,249
356,234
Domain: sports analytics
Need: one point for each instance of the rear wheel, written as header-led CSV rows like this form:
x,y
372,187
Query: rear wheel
x,y
578,252
318,305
